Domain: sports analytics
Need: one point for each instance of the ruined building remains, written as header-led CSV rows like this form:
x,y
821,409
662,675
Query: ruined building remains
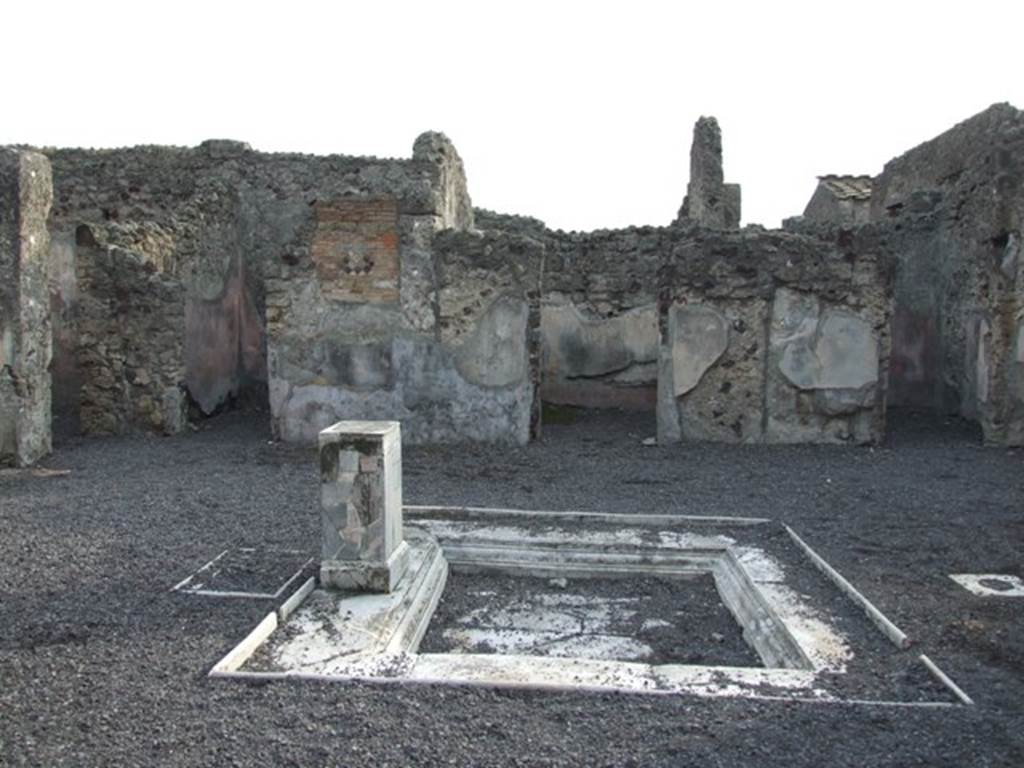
x,y
143,287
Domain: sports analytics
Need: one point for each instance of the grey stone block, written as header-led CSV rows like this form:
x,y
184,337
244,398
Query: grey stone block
x,y
361,506
25,326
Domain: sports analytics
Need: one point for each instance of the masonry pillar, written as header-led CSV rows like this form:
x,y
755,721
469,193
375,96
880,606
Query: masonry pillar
x,y
361,506
709,201
26,190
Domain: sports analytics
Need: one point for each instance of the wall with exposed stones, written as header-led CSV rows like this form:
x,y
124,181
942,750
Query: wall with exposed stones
x,y
954,207
131,331
598,327
709,201
373,312
452,354
189,206
772,337
230,220
354,287
735,336
25,336
599,330
598,317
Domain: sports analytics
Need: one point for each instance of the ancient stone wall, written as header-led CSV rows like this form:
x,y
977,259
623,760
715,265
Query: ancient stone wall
x,y
599,319
234,219
131,331
840,201
747,336
177,193
954,207
347,287
353,296
599,336
772,337
709,201
25,337
452,354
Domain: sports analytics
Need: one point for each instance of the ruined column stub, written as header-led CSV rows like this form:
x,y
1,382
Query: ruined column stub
x,y
709,201
361,506
25,335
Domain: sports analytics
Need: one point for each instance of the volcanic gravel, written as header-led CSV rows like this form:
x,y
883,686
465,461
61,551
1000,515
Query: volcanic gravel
x,y
101,664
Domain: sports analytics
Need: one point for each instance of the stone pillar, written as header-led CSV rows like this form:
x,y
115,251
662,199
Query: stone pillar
x,y
709,201
26,190
361,500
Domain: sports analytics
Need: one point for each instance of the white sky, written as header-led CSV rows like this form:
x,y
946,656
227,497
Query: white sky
x,y
577,113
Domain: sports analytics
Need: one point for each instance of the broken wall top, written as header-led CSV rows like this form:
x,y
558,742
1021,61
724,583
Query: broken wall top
x,y
986,148
145,181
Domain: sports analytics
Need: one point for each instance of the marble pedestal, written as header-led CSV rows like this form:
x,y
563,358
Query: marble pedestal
x,y
361,506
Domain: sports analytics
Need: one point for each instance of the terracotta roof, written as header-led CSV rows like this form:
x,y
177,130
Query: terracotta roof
x,y
848,187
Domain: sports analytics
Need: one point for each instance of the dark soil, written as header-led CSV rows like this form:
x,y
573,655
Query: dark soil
x,y
699,628
100,664
256,570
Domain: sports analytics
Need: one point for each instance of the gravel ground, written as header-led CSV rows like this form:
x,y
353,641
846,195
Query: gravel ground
x,y
101,665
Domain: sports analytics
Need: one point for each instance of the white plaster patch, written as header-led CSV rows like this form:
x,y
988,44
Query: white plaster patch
x,y
823,646
990,584
650,624
470,532
700,336
563,624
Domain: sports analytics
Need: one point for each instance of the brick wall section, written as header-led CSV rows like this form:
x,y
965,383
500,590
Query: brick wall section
x,y
355,250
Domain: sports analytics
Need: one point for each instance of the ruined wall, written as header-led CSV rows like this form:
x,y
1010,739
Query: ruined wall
x,y
348,287
749,336
381,304
840,201
954,206
233,219
599,317
772,337
180,193
598,327
25,337
131,331
709,201
443,339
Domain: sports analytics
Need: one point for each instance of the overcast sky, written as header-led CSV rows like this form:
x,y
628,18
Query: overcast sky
x,y
580,114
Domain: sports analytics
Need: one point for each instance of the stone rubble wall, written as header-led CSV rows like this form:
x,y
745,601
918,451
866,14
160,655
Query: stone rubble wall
x,y
25,335
231,220
734,336
599,317
131,331
355,287
955,208
175,196
452,355
772,337
599,335
709,201
381,304
825,208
